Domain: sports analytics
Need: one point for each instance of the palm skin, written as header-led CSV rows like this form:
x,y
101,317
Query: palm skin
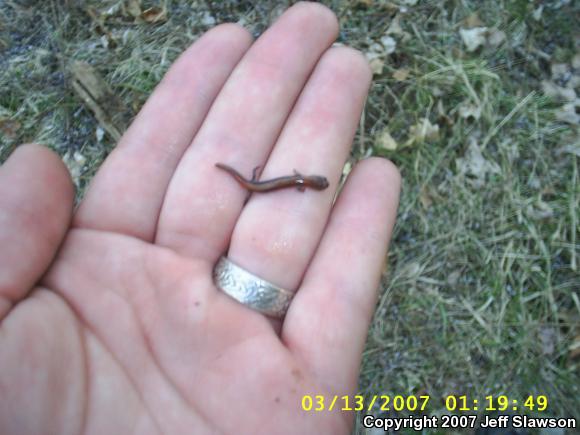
x,y
110,320
163,350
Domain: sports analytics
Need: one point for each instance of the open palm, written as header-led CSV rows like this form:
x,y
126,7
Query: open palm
x,y
111,323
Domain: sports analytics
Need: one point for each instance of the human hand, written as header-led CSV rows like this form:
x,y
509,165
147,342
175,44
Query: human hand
x,y
111,323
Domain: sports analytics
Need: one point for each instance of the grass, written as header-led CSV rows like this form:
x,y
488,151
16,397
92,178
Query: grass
x,y
481,297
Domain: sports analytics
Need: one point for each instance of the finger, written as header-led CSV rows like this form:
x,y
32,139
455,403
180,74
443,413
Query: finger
x,y
36,201
327,323
277,234
127,193
202,202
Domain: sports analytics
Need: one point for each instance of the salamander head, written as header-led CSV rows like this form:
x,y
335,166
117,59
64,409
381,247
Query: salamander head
x,y
318,182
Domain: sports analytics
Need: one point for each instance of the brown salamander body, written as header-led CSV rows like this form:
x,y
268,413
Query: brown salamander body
x,y
298,180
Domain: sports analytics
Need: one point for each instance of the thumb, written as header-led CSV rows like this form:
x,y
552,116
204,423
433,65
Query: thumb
x,y
36,202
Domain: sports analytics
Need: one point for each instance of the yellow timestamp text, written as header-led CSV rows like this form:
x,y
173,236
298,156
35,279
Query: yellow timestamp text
x,y
318,403
451,403
496,403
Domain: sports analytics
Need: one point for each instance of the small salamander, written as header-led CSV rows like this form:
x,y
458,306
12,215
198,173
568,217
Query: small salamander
x,y
316,182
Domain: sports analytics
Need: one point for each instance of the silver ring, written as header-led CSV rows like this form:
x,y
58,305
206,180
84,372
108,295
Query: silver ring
x,y
251,291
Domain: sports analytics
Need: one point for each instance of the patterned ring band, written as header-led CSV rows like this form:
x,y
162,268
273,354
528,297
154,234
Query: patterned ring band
x,y
250,290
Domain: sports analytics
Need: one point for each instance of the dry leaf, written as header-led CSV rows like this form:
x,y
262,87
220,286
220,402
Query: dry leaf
x,y
396,29
75,163
443,117
473,38
395,26
469,110
345,172
539,210
568,113
378,52
107,38
154,15
437,91
574,348
560,72
9,128
453,278
571,148
574,81
518,34
208,19
133,8
346,168
495,37
423,131
99,133
548,340
376,63
473,21
425,198
552,90
537,15
97,95
113,10
576,62
389,43
386,141
401,74
473,163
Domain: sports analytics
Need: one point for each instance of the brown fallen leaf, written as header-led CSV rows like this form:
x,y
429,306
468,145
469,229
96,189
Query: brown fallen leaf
x,y
75,162
474,164
473,38
576,61
133,8
154,15
453,278
552,90
473,21
346,169
98,97
423,131
376,57
495,37
378,52
444,118
467,109
537,14
569,113
396,29
560,72
574,349
389,44
548,338
101,28
9,128
395,26
376,63
386,141
540,210
401,74
425,198
571,147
